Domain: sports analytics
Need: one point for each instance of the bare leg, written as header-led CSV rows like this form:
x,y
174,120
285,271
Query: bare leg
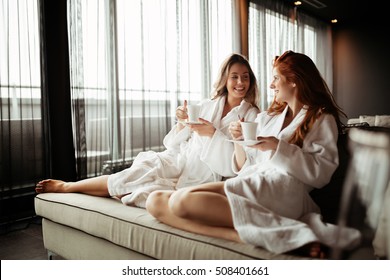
x,y
206,203
94,186
158,204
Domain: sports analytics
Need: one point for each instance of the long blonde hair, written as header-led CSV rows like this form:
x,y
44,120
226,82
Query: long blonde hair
x,y
312,91
220,89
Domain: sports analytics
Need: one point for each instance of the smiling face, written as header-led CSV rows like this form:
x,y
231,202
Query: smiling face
x,y
284,90
238,81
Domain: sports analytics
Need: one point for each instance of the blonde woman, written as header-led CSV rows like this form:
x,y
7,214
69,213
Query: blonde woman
x,y
195,153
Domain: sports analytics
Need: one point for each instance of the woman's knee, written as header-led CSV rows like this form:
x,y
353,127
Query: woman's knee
x,y
156,203
179,203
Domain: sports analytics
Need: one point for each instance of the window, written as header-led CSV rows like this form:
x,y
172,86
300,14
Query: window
x,y
134,62
19,55
274,28
20,93
21,146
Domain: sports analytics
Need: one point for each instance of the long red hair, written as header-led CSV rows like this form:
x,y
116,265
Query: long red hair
x,y
312,91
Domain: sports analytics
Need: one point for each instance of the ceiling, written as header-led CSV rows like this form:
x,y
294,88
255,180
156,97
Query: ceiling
x,y
345,11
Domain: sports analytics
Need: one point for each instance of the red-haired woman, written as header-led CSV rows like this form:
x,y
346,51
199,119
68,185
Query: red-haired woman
x,y
268,203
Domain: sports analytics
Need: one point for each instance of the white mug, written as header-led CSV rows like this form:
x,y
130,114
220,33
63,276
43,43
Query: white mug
x,y
193,112
249,130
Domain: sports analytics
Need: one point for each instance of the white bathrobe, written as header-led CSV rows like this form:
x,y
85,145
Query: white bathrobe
x,y
269,198
189,159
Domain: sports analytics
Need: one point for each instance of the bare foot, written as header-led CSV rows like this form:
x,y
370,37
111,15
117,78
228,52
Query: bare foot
x,y
50,185
313,250
317,250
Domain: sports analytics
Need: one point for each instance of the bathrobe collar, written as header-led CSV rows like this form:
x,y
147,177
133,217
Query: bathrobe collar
x,y
275,128
214,114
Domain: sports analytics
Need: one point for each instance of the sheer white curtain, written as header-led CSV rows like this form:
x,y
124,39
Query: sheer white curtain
x,y
275,27
20,95
21,130
133,62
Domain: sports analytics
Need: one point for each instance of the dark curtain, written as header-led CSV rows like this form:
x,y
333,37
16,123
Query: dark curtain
x,y
56,91
33,148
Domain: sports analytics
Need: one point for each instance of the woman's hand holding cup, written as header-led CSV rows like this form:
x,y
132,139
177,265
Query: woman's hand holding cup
x,y
181,112
236,130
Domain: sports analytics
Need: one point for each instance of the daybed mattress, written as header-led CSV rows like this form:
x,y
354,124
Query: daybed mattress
x,y
79,226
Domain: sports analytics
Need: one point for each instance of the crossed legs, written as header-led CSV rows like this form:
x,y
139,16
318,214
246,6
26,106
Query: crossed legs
x,y
202,209
205,210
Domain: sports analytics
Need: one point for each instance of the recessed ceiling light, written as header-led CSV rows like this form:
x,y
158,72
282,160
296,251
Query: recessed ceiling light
x,y
334,20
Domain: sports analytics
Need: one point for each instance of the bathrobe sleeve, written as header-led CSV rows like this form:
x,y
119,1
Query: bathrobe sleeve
x,y
174,138
216,154
250,158
315,162
251,114
218,151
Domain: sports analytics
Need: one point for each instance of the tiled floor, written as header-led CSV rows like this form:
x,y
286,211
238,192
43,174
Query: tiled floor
x,y
23,241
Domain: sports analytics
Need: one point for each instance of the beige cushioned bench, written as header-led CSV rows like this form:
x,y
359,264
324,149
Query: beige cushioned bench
x,y
78,226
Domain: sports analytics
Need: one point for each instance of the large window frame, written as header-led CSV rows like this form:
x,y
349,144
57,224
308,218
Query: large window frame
x,y
173,53
20,93
275,27
21,127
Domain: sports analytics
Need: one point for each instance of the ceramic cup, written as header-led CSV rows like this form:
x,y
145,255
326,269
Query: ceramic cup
x,y
193,113
249,130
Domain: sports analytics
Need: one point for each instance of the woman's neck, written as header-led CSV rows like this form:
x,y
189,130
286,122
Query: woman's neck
x,y
291,114
230,103
293,109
